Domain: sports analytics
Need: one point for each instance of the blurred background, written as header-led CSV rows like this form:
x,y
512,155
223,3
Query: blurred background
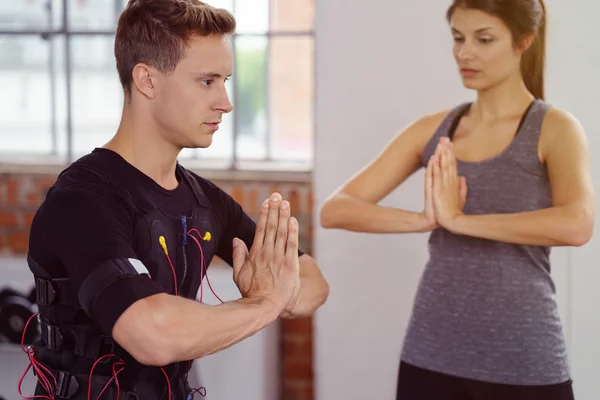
x,y
319,88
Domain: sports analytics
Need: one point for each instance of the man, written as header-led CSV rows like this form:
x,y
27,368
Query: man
x,y
122,241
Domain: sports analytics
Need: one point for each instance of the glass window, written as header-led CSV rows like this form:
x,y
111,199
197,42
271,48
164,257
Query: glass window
x,y
272,87
18,15
251,100
32,79
96,94
252,16
296,15
291,92
93,15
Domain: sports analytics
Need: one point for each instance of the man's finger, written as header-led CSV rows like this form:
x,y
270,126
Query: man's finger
x,y
240,254
292,241
282,228
272,222
261,227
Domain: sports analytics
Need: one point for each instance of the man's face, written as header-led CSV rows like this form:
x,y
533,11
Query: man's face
x,y
191,100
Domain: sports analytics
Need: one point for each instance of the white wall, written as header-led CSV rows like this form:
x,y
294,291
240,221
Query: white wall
x,y
380,65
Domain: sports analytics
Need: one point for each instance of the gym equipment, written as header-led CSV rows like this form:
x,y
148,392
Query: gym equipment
x,y
15,311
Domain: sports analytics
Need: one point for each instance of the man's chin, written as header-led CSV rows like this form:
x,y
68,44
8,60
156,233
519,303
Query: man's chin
x,y
201,143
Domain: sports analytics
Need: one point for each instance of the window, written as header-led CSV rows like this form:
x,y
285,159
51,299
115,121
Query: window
x,y
61,95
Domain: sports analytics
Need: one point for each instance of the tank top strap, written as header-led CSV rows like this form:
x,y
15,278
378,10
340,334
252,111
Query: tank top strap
x,y
448,125
530,129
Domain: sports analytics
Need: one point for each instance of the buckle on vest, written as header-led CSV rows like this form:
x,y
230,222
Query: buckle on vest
x,y
66,385
51,336
96,348
45,292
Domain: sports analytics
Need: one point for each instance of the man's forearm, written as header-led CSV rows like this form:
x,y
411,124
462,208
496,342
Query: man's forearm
x,y
313,291
193,330
309,299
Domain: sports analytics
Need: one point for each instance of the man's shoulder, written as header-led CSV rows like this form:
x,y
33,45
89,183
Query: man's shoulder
x,y
89,177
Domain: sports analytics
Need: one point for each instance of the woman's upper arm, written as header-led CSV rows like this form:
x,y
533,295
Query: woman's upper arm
x,y
565,152
400,158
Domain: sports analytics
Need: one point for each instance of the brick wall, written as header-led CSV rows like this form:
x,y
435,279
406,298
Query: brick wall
x,y
21,194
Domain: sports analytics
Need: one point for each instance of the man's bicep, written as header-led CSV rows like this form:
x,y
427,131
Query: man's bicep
x,y
91,234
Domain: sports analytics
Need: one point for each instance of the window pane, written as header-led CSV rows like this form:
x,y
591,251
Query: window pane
x,y
296,15
252,16
97,97
93,15
226,4
291,97
32,79
30,14
251,107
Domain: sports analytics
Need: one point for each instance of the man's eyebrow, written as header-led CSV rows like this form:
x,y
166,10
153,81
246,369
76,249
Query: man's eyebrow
x,y
210,74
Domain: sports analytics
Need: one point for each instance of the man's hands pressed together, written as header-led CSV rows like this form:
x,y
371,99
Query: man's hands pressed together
x,y
271,269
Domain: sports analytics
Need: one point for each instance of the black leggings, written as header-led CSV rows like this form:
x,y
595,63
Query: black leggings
x,y
420,384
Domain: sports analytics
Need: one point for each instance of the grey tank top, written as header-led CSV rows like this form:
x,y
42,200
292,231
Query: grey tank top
x,y
487,310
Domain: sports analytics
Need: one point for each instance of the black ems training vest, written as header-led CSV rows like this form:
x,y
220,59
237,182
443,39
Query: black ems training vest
x,y
81,344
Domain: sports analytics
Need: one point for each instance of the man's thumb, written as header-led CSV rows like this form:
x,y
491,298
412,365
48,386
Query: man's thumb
x,y
240,253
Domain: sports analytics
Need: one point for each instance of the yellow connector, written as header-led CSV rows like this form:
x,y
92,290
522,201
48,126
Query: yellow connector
x,y
163,244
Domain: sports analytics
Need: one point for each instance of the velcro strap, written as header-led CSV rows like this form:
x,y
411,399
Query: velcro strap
x,y
105,275
80,341
69,385
55,292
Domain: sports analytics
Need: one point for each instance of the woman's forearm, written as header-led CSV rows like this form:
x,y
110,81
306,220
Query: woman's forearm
x,y
554,226
349,213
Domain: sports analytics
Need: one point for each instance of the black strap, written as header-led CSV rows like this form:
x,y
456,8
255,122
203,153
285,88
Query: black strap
x,y
81,341
462,111
51,291
101,277
69,385
55,292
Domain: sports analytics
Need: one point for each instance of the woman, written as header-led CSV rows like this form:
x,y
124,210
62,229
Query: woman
x,y
485,323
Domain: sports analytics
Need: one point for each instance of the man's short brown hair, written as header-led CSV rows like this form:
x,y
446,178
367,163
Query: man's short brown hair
x,y
156,32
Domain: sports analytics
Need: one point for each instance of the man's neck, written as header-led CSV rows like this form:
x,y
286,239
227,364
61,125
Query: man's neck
x,y
141,145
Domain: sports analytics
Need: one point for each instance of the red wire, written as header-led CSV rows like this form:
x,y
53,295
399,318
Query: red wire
x,y
46,384
174,274
114,377
43,380
203,267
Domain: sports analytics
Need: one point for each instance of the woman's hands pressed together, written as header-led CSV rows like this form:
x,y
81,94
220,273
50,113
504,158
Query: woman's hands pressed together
x,y
445,191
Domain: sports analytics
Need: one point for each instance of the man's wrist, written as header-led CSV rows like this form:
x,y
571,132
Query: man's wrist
x,y
273,305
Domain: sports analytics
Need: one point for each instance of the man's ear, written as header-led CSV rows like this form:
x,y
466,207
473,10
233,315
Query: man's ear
x,y
144,81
